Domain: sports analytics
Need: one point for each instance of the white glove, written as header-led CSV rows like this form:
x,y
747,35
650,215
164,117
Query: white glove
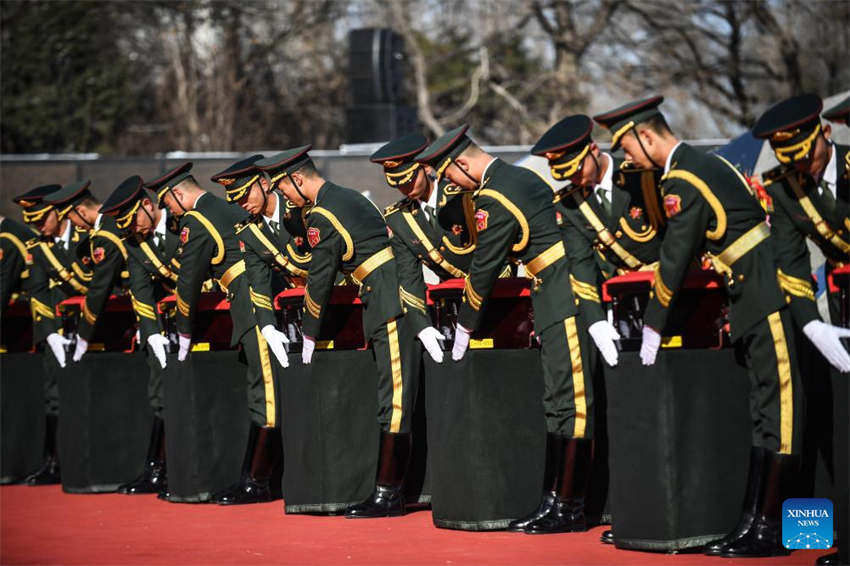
x,y
307,351
82,348
604,334
57,343
184,341
276,339
826,338
430,338
157,344
461,342
649,346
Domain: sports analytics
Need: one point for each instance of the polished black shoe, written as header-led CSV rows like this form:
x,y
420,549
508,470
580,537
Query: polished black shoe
x,y
828,560
778,483
263,452
748,514
607,537
50,472
153,477
554,453
567,513
163,494
387,498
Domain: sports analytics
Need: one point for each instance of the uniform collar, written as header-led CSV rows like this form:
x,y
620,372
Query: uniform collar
x,y
607,182
197,200
484,173
276,214
322,190
432,200
97,221
830,174
65,237
669,163
160,226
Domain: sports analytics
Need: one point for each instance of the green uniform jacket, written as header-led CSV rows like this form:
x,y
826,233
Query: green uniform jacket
x,y
13,263
791,223
446,248
636,223
273,262
709,206
210,247
153,276
515,218
109,258
345,229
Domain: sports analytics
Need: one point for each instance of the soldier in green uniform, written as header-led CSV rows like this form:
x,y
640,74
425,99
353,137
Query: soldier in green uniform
x,y
13,269
107,252
210,247
434,226
515,218
711,212
348,234
151,241
611,221
809,194
269,250
610,216
52,254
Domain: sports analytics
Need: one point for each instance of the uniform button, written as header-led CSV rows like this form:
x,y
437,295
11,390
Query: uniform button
x,y
419,256
619,233
840,232
368,288
643,226
443,248
788,299
741,277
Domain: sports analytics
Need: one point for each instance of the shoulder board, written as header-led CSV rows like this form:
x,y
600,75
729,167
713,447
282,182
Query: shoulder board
x,y
455,190
564,193
775,174
33,243
245,223
393,208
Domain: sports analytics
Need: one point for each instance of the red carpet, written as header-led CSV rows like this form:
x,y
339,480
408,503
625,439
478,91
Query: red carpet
x,y
42,525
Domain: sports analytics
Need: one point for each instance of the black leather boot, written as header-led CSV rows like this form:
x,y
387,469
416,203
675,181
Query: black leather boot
x,y
153,477
567,513
554,452
264,450
778,483
387,499
607,537
50,472
715,548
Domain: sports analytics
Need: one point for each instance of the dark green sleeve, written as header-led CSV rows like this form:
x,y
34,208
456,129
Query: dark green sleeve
x,y
42,304
260,280
105,275
144,301
792,259
411,285
684,236
195,257
11,267
488,260
584,272
327,256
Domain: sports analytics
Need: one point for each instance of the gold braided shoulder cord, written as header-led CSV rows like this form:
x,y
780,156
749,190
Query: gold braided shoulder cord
x,y
346,237
515,211
709,196
219,256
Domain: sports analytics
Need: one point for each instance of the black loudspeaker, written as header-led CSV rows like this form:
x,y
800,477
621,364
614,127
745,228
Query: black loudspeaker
x,y
380,122
375,72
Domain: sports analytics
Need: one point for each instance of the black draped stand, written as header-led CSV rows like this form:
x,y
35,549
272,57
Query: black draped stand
x,y
680,437
486,438
206,423
105,421
21,415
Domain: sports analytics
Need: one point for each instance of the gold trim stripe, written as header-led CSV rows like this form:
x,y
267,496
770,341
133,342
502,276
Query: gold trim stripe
x,y
219,256
312,306
268,378
158,265
795,286
232,273
411,299
584,291
433,254
142,309
664,294
261,301
605,237
821,226
579,395
621,132
82,275
398,382
22,249
474,298
182,306
786,398
371,264
547,258
346,237
39,308
704,189
90,317
743,245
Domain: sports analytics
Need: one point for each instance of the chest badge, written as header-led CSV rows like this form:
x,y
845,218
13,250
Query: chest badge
x,y
98,255
457,229
184,235
299,241
481,217
314,236
389,232
636,212
558,217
